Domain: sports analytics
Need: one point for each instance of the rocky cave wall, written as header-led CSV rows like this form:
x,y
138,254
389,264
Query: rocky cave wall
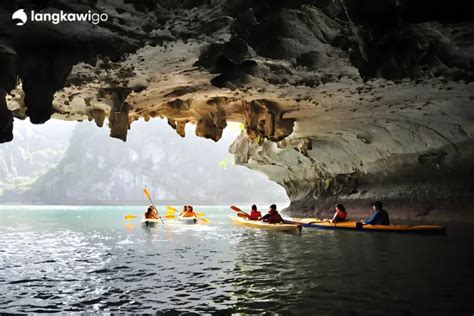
x,y
342,100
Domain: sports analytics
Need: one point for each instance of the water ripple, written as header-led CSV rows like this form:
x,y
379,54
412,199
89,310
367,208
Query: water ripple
x,y
220,268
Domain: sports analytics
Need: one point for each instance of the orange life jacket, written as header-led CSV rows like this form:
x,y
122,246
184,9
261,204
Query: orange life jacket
x,y
151,215
189,214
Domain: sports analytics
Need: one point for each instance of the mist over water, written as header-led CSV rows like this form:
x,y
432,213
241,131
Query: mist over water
x,y
65,259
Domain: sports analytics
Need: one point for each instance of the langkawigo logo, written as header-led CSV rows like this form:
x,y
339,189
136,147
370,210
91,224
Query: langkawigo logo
x,y
20,15
58,17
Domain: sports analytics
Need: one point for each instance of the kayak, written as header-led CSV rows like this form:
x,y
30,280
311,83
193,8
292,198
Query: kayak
x,y
150,222
263,225
187,220
354,225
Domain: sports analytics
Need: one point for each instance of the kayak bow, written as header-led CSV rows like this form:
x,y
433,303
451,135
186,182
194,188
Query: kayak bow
x,y
263,225
187,220
150,222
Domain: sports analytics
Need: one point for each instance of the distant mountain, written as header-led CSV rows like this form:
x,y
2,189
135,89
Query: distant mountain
x,y
34,151
98,169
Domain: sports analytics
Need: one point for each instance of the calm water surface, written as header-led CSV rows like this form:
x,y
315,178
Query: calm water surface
x,y
72,259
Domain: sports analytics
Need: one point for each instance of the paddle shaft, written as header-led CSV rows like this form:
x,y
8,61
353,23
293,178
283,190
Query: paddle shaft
x,y
149,198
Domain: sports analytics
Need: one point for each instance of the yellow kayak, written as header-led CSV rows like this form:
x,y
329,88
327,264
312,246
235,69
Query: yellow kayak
x,y
263,225
354,225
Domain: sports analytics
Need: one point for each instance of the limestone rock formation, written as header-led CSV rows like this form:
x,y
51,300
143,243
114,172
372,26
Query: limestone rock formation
x,y
342,100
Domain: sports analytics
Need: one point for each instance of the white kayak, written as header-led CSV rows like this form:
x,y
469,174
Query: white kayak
x,y
187,220
150,222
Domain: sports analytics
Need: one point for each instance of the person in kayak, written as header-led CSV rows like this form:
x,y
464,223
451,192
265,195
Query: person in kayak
x,y
151,213
254,214
273,217
340,214
185,209
380,217
189,212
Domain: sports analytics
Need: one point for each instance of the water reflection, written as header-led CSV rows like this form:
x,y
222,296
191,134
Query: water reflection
x,y
63,262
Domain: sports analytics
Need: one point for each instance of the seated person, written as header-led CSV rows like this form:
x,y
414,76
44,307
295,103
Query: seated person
x,y
189,212
273,216
151,213
380,217
340,214
185,209
254,214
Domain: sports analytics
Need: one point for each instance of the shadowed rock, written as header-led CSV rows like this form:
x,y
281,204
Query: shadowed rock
x,y
6,120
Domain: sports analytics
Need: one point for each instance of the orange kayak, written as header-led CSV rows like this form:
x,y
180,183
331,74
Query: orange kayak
x,y
354,225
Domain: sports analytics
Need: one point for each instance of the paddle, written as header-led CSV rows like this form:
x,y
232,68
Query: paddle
x,y
205,220
148,195
239,211
170,209
130,216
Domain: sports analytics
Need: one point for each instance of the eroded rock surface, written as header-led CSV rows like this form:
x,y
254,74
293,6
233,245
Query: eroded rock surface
x,y
342,100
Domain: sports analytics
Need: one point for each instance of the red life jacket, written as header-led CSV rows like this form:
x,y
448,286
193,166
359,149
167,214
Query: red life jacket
x,y
274,217
341,214
254,215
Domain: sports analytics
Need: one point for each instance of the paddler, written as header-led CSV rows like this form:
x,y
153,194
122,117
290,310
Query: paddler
x,y
188,212
185,209
273,216
380,217
151,213
254,214
340,214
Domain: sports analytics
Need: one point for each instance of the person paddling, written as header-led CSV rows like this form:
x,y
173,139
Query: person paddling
x,y
254,214
340,214
188,212
185,209
380,217
151,213
273,217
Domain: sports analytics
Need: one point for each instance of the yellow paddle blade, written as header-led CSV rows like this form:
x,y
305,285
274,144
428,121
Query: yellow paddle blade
x,y
200,214
169,213
130,216
147,193
170,209
168,216
205,220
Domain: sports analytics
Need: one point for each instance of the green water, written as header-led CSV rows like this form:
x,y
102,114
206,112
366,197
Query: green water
x,y
79,258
